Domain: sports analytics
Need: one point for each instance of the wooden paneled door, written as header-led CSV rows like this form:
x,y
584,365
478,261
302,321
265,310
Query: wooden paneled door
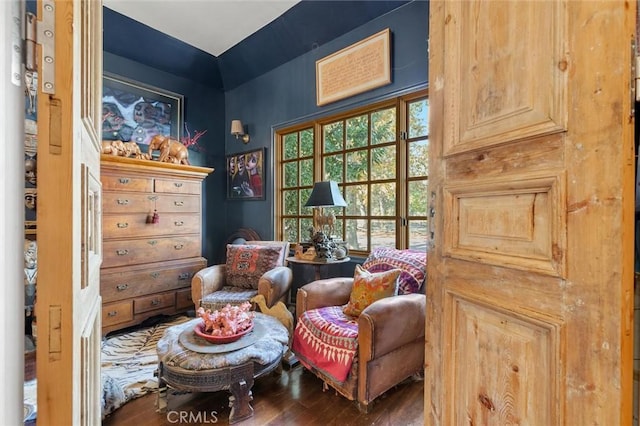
x,y
69,216
530,284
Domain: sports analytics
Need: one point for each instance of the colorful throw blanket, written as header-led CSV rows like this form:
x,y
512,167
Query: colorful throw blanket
x,y
326,339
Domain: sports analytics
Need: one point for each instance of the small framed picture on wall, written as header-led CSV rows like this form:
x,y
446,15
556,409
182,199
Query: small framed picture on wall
x,y
246,175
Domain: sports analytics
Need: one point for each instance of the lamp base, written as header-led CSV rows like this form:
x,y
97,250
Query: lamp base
x,y
324,245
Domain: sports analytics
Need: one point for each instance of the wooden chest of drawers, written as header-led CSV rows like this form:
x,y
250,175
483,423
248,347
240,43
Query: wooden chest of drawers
x,y
147,267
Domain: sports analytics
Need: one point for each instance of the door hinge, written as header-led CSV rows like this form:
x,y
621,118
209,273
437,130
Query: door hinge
x,y
43,33
16,43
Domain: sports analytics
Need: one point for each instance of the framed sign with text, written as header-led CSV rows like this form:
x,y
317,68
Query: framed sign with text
x,y
355,69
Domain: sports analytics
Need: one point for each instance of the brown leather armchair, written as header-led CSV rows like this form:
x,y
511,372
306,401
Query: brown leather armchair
x,y
210,289
390,339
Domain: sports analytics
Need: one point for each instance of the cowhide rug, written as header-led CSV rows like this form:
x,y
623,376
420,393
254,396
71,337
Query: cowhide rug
x,y
129,361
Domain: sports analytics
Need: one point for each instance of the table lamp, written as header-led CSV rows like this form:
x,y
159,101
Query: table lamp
x,y
324,194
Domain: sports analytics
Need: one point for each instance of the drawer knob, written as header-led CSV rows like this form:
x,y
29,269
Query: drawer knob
x,y
123,202
122,252
179,203
179,223
184,276
155,302
122,225
122,287
178,184
155,275
123,181
152,242
152,197
112,313
178,246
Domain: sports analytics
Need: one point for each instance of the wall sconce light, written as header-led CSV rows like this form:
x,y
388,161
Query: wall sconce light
x,y
237,129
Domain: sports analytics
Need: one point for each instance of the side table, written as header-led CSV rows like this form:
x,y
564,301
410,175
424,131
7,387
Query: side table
x,y
317,264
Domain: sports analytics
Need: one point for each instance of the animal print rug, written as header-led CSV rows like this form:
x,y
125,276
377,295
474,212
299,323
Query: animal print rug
x,y
129,361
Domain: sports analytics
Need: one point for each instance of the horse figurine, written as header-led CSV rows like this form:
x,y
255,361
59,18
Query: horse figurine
x,y
321,220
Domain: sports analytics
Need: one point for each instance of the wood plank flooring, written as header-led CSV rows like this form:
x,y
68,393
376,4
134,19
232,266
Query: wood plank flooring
x,y
290,398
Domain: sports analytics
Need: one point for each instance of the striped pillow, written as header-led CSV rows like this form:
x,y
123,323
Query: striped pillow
x,y
412,263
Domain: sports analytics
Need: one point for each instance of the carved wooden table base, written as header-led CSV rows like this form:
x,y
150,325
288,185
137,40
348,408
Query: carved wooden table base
x,y
237,379
239,401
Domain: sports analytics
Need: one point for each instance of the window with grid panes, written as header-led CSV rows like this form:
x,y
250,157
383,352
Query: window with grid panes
x,y
379,158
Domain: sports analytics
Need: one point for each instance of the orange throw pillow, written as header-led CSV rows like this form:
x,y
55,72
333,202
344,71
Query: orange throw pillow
x,y
369,287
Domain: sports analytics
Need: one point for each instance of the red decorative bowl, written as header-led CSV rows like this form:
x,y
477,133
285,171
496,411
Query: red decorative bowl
x,y
199,330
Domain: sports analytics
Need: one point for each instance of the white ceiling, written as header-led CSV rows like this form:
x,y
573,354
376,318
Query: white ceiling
x,y
213,26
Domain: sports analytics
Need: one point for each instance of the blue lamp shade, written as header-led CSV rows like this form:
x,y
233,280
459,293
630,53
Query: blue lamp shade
x,y
325,194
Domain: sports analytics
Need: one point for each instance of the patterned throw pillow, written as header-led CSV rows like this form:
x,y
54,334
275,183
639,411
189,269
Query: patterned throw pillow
x,y
413,264
283,245
246,263
369,287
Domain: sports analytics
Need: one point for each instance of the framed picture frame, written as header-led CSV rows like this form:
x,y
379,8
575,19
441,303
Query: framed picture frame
x,y
358,68
246,175
135,112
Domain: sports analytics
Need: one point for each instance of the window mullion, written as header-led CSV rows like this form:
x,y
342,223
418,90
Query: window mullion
x,y
402,236
317,151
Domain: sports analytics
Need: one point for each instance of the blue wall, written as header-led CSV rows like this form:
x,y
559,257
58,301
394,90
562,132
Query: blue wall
x,y
203,109
287,95
276,99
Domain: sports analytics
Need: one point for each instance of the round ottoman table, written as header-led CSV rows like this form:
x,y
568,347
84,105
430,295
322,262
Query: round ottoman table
x,y
189,363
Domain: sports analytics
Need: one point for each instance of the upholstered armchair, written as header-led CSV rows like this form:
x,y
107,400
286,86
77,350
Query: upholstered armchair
x,y
257,267
362,356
